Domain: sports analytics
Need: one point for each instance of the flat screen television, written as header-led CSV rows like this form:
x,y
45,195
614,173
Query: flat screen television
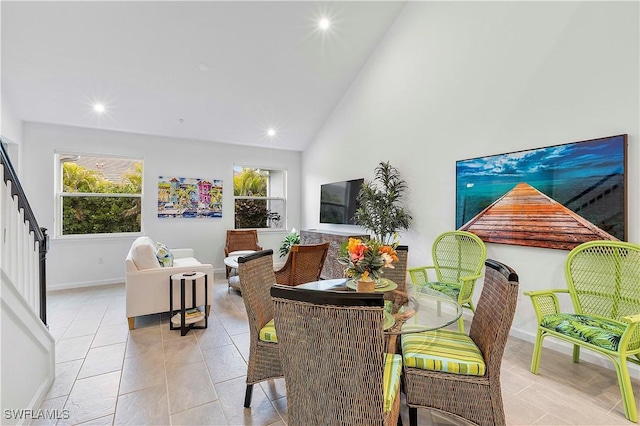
x,y
338,201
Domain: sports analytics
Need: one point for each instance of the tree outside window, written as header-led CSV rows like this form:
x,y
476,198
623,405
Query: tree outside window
x,y
99,195
259,200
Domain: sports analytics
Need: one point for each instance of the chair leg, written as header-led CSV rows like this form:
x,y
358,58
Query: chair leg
x,y
247,396
471,306
413,416
132,322
461,324
576,353
537,350
626,390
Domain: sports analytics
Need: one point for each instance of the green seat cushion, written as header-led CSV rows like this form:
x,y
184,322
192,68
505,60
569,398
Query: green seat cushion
x,y
391,379
268,333
443,350
597,331
450,289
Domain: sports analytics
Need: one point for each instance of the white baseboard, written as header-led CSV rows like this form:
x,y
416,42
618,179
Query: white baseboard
x,y
56,287
218,273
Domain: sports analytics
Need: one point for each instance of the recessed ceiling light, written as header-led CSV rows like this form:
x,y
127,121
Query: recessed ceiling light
x,y
203,67
271,132
98,108
324,24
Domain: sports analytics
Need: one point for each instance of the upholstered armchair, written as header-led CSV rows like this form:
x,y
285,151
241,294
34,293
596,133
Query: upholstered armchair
x,y
147,282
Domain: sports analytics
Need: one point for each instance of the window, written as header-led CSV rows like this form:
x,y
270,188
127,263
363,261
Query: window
x,y
259,198
98,195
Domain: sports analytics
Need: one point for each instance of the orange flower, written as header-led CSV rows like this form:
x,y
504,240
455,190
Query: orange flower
x,y
366,258
390,251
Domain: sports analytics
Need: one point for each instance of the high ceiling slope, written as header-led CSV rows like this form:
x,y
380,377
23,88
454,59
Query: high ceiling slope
x,y
210,70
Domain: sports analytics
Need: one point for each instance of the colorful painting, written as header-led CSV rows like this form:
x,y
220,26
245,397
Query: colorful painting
x,y
553,197
189,197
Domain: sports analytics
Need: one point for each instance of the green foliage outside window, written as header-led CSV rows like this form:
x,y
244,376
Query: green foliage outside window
x,y
100,214
251,213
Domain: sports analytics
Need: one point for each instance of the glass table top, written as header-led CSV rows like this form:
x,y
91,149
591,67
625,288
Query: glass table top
x,y
416,310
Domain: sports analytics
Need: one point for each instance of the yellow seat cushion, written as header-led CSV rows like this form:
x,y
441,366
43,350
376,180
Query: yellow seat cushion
x,y
268,333
443,350
391,379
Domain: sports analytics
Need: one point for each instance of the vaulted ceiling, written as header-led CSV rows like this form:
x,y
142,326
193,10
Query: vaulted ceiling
x,y
209,70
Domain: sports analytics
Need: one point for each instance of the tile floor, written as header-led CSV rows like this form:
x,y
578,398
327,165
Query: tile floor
x,y
106,374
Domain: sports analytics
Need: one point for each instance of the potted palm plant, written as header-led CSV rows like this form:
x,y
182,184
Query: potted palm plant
x,y
381,210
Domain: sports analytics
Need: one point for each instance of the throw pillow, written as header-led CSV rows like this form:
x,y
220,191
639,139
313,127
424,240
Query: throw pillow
x,y
143,254
164,255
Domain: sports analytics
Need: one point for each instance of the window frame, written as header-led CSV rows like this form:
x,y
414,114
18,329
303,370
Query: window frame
x,y
60,194
284,172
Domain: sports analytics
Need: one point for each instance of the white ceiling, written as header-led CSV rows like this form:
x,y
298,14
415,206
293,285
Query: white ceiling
x,y
269,65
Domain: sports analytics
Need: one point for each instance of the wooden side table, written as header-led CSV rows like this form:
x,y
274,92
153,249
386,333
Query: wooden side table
x,y
180,321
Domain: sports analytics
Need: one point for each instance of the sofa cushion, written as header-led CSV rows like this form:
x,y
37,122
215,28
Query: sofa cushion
x,y
186,261
143,253
164,255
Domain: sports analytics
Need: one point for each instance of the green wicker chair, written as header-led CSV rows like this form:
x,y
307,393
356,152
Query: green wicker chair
x,y
256,278
448,371
332,351
603,280
458,258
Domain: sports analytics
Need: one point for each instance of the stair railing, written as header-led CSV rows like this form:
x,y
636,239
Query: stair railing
x,y
23,245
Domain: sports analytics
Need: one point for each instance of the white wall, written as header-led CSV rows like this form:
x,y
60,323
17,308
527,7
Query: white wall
x,y
11,132
10,125
74,262
457,80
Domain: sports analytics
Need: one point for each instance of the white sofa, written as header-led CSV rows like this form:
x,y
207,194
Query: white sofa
x,y
147,283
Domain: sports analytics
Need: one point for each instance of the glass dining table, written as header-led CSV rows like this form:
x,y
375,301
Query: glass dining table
x,y
415,310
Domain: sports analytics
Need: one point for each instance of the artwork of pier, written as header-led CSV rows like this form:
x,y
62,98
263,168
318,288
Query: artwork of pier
x,y
526,216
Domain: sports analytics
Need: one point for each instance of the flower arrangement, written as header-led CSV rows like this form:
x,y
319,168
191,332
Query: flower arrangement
x,y
365,259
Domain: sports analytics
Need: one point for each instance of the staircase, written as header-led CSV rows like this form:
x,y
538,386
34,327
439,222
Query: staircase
x,y
27,352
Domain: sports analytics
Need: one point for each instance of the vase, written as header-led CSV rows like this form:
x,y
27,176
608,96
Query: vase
x,y
367,286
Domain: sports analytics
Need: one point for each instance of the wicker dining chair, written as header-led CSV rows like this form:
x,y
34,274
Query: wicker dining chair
x,y
398,274
304,264
449,371
332,351
256,278
240,239
458,258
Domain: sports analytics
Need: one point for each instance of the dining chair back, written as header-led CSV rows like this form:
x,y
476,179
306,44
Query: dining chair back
x,y
398,274
304,264
332,351
256,278
449,371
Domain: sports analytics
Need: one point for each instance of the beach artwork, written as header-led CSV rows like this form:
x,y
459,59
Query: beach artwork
x,y
180,197
554,197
